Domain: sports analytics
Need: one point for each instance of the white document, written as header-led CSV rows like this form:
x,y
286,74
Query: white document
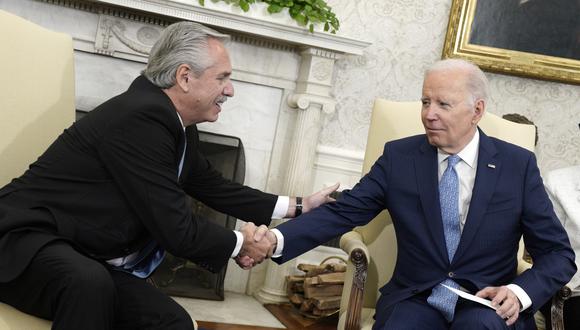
x,y
471,297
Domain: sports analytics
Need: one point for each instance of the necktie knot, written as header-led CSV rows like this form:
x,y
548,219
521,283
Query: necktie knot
x,y
453,160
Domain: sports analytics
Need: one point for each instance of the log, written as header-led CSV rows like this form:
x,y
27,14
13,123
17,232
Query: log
x,y
330,278
325,303
313,270
296,299
307,305
311,291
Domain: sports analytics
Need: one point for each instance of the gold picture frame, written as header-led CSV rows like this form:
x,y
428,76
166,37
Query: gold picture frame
x,y
497,57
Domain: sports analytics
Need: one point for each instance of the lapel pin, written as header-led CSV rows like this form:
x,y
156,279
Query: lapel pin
x,y
491,165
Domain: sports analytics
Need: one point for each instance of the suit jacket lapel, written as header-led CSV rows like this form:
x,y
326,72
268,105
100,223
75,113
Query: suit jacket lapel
x,y
427,176
488,169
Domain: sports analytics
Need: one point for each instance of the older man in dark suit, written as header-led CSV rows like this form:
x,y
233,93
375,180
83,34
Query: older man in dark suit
x,y
460,202
92,217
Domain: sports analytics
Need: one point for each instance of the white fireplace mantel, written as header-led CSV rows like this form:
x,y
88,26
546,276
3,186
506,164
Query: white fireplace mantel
x,y
256,22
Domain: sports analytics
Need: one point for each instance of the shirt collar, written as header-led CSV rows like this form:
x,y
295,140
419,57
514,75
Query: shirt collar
x,y
467,154
180,120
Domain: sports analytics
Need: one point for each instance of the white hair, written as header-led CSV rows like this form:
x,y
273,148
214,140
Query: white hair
x,y
477,83
180,43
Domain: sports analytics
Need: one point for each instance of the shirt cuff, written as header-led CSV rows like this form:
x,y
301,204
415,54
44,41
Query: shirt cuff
x,y
239,243
280,244
281,207
522,296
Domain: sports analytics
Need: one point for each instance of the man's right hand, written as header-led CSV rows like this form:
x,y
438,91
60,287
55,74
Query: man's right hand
x,y
259,244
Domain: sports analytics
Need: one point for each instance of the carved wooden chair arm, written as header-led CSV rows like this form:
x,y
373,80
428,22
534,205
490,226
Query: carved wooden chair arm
x,y
358,253
557,309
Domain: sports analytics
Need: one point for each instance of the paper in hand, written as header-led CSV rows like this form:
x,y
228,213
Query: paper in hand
x,y
471,297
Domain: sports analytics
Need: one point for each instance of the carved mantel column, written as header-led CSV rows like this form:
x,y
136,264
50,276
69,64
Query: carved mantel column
x,y
312,100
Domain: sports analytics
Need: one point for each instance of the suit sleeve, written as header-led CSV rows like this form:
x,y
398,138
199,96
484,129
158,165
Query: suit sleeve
x,y
207,185
356,207
140,153
545,240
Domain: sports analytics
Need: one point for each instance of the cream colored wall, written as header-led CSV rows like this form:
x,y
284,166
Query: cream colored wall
x,y
407,36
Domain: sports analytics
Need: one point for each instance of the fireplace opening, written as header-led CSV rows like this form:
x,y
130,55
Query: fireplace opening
x,y
181,277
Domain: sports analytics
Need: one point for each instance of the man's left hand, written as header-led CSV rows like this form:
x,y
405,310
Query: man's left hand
x,y
507,303
318,198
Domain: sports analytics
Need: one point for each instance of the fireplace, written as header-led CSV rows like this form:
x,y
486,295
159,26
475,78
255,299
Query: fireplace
x,y
178,276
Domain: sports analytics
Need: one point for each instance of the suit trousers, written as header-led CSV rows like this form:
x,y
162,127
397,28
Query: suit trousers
x,y
416,314
77,292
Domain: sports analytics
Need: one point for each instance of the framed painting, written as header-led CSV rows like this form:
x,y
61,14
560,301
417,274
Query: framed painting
x,y
531,38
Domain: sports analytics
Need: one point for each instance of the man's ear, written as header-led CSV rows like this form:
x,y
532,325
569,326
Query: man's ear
x,y
182,76
479,110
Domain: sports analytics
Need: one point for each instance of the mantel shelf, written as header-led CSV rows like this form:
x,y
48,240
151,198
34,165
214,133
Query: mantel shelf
x,y
189,10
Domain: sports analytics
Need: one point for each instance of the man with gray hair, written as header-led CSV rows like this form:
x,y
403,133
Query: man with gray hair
x,y
88,222
460,201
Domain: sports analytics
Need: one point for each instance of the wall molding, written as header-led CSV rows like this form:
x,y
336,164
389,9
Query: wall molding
x,y
338,160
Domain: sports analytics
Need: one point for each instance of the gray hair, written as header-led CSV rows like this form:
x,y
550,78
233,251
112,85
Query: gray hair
x,y
180,43
477,83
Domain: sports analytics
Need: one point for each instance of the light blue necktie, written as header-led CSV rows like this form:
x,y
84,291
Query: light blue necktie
x,y
442,298
151,256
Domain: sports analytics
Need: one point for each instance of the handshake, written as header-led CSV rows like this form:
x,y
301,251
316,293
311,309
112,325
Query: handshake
x,y
259,245
260,242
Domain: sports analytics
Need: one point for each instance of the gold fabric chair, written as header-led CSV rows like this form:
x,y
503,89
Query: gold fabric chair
x,y
373,248
37,103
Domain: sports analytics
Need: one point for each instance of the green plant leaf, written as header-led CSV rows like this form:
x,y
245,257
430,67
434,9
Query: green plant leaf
x,y
244,5
304,12
273,8
301,19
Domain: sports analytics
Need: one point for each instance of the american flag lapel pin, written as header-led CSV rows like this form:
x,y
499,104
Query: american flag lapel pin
x,y
491,165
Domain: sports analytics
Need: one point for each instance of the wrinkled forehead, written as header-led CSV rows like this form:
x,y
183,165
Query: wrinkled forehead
x,y
445,81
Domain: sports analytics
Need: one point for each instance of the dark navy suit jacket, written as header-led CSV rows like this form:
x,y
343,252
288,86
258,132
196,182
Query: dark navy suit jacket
x,y
508,201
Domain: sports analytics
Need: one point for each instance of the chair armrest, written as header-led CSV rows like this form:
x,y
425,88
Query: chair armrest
x,y
351,241
557,309
359,255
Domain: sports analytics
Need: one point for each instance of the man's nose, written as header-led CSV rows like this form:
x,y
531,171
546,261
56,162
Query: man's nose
x,y
430,112
229,89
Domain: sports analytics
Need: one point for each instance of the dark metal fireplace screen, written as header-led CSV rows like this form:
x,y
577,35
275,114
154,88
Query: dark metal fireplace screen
x,y
178,276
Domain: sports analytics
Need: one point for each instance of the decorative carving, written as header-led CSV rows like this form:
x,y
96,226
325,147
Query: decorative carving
x,y
557,309
148,35
303,102
119,30
112,27
355,305
322,70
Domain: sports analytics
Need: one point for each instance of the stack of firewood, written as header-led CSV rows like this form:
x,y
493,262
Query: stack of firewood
x,y
317,293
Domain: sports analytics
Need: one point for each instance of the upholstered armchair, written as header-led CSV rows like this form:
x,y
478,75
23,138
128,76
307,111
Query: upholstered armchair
x,y
37,103
372,248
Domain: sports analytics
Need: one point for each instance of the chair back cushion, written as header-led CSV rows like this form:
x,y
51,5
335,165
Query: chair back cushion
x,y
37,84
37,104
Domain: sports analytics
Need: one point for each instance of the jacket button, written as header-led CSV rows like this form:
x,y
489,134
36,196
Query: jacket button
x,y
451,274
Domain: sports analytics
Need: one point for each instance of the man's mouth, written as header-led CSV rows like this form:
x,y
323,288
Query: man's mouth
x,y
221,101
